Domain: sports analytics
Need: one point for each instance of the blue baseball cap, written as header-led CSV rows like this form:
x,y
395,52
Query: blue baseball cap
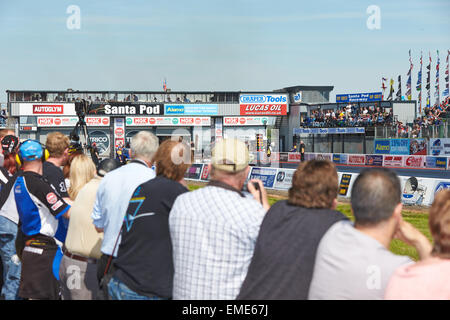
x,y
31,150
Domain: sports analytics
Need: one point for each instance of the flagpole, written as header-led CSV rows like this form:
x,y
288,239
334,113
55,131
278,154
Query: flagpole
x,y
420,92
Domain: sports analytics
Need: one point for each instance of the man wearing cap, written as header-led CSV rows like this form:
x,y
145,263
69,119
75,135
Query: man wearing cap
x,y
214,229
41,211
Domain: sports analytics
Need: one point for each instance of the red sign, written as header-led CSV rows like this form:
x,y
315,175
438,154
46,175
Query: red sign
x,y
119,132
263,109
296,157
48,109
45,121
120,141
414,161
97,121
231,121
356,159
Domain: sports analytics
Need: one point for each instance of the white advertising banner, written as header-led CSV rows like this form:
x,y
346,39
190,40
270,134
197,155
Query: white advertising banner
x,y
284,179
247,121
39,109
119,132
71,121
439,147
168,121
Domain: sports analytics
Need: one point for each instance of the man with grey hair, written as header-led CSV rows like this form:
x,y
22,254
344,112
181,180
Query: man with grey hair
x,y
214,229
114,193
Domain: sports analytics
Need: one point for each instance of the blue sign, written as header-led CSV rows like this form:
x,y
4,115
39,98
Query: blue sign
x,y
266,175
399,146
340,158
359,97
374,160
329,130
436,162
382,147
442,186
191,109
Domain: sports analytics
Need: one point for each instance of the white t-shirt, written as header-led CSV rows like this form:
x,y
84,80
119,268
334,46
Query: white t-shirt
x,y
352,266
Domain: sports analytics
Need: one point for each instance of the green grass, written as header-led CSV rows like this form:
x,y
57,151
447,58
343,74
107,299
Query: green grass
x,y
417,219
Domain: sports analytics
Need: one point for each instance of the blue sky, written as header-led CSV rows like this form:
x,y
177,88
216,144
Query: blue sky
x,y
218,44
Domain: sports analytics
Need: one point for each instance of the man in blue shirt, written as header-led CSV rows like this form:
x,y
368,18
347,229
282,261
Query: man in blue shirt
x,y
115,191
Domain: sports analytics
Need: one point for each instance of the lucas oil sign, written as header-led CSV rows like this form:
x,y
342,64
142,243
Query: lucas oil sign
x,y
263,104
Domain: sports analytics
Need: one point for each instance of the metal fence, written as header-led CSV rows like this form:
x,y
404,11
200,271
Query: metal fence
x,y
431,131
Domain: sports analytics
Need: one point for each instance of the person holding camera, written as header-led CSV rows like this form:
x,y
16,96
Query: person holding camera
x,y
215,228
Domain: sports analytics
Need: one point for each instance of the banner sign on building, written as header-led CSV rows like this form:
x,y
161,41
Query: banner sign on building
x,y
101,139
263,104
440,147
245,121
359,97
329,130
417,146
399,146
168,121
382,147
191,109
72,121
47,109
119,132
126,108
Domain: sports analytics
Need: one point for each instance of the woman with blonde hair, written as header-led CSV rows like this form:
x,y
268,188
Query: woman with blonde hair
x,y
82,170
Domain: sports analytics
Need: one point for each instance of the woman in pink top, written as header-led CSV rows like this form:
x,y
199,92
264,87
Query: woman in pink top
x,y
429,278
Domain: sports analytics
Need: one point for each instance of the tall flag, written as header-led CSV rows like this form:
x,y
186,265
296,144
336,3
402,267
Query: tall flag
x,y
391,90
436,86
428,81
445,93
408,82
399,92
383,86
164,85
419,84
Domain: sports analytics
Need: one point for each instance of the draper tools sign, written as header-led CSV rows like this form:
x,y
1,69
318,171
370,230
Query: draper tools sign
x,y
263,104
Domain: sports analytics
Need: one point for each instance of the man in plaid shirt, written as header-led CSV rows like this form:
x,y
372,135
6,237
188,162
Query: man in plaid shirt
x,y
214,229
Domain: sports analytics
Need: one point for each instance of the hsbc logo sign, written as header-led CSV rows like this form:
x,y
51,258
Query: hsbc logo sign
x,y
48,109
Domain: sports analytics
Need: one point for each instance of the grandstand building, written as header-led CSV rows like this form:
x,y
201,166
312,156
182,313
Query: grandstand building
x,y
199,116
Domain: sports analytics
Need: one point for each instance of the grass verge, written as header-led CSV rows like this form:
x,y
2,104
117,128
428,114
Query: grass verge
x,y
418,218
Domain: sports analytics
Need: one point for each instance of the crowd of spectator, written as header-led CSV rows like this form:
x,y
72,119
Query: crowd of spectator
x,y
349,116
136,232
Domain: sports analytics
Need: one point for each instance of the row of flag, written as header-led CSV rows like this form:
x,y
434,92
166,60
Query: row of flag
x,y
437,95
